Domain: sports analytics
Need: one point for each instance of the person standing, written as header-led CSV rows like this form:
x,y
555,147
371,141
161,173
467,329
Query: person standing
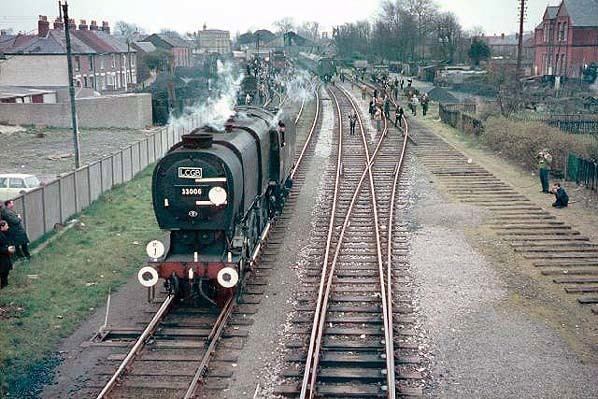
x,y
364,92
18,235
378,118
399,112
6,252
425,100
386,107
414,102
352,122
544,164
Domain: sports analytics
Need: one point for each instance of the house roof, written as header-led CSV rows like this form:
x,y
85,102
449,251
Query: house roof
x,y
171,40
146,47
582,12
552,11
16,91
82,42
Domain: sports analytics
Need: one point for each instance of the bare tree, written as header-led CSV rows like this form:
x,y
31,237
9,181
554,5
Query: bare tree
x,y
447,35
423,12
310,30
127,29
285,25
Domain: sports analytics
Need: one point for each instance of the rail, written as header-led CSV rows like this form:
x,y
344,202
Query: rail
x,y
139,344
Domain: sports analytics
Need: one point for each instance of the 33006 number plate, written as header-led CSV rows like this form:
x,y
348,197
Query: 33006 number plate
x,y
190,191
187,172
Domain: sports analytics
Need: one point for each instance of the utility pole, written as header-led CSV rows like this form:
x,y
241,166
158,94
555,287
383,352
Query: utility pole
x,y
65,14
522,7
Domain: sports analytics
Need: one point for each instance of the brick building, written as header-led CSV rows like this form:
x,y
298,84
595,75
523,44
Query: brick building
x,y
179,49
100,61
567,38
213,41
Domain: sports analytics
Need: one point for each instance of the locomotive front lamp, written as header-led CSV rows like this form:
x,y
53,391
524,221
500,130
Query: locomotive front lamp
x,y
217,196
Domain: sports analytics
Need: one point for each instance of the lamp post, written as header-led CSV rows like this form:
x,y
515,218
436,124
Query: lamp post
x,y
65,12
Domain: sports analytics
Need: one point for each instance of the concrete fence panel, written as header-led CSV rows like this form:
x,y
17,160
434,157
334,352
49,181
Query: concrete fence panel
x,y
151,149
143,154
117,168
95,181
68,196
34,209
82,183
52,205
127,164
135,159
106,165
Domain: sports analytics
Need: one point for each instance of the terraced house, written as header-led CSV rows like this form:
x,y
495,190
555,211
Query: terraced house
x,y
101,61
566,41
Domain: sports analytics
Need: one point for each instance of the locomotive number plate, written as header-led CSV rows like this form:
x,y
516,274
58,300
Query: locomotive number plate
x,y
190,191
186,172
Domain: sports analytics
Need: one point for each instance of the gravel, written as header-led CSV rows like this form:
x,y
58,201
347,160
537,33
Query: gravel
x,y
482,344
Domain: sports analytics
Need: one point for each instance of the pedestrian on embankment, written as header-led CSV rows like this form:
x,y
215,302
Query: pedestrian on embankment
x,y
6,252
544,159
561,197
18,235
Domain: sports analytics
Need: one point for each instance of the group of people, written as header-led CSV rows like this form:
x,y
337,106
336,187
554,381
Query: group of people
x,y
414,101
13,239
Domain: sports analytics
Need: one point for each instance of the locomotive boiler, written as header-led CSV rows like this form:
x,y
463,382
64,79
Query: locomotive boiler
x,y
214,193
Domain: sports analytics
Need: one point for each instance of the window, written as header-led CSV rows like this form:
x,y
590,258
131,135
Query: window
x,y
546,29
17,183
113,61
90,60
3,182
91,82
101,63
32,182
561,32
132,57
84,81
564,31
77,63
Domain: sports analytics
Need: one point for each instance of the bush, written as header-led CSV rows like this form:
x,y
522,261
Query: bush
x,y
521,141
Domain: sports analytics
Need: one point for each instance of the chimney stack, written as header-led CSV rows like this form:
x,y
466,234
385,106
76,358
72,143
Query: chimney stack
x,y
58,24
43,26
83,25
72,24
502,36
106,27
3,32
93,25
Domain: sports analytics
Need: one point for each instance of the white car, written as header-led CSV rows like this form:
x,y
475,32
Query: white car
x,y
14,184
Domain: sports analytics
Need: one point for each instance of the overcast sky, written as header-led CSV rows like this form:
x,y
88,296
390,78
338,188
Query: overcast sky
x,y
496,16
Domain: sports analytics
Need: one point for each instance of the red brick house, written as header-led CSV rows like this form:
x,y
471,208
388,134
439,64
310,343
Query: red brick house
x,y
101,61
178,48
567,38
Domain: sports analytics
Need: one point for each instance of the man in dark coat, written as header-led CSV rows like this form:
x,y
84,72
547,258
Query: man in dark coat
x,y
562,199
6,251
17,235
399,112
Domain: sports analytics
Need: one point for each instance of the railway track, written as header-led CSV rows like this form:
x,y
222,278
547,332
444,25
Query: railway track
x,y
347,309
556,249
170,357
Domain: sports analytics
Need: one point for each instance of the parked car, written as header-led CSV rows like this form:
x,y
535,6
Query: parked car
x,y
14,184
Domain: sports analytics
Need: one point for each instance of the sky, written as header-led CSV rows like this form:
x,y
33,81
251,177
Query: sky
x,y
496,16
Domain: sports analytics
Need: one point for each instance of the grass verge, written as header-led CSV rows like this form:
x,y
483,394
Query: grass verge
x,y
49,296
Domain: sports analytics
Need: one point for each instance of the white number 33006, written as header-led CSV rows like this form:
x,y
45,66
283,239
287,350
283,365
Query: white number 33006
x,y
191,191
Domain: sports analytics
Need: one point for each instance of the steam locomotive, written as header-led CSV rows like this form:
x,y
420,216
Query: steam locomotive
x,y
214,193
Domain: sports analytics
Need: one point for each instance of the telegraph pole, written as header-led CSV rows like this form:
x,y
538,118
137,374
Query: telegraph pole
x,y
65,14
520,42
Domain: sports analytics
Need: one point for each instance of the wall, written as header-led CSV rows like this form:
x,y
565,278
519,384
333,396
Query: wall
x,y
133,111
58,201
34,70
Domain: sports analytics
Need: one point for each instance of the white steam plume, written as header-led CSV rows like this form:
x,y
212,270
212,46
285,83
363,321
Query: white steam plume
x,y
214,111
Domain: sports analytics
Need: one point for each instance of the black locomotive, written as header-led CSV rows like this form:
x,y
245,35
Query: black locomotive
x,y
215,192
